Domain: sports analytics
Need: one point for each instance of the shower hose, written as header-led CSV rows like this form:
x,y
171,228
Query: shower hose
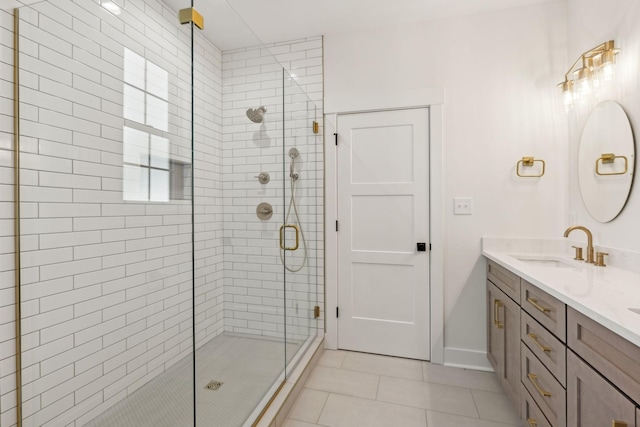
x,y
292,204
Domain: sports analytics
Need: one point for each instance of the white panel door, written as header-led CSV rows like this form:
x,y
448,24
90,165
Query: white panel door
x,y
383,212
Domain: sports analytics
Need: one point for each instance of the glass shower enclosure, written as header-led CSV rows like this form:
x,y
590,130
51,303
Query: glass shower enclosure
x,y
170,218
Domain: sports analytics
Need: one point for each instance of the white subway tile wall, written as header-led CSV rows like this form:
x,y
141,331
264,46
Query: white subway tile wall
x,y
255,300
7,260
106,283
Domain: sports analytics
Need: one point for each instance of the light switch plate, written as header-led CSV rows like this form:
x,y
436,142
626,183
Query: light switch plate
x,y
462,206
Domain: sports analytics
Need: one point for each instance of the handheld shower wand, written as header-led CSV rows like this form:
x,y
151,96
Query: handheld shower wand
x,y
293,175
293,153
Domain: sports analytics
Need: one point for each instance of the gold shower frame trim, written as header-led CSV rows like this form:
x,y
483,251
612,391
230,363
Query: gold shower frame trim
x,y
528,162
16,177
191,15
610,158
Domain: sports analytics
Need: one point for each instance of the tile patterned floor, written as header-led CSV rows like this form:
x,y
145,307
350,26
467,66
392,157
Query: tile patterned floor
x,y
348,389
247,365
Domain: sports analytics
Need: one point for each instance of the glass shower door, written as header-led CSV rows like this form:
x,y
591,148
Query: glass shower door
x,y
240,351
106,190
301,250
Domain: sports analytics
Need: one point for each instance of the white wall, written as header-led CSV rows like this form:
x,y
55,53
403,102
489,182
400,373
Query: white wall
x,y
498,71
592,22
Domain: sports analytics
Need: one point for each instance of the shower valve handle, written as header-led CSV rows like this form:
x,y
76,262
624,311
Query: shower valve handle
x,y
263,178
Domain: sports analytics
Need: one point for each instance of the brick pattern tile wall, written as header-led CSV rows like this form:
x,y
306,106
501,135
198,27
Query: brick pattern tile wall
x,y
107,283
254,276
7,260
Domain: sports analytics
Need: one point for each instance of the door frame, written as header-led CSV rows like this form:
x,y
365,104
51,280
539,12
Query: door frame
x,y
350,103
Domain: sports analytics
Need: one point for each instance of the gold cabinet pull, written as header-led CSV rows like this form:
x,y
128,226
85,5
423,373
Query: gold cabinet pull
x,y
532,422
497,304
534,380
616,423
495,312
534,302
534,338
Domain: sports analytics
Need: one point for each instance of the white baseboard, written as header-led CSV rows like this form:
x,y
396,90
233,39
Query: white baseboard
x,y
468,359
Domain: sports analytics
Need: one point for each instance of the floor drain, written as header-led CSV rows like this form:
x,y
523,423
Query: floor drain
x,y
214,385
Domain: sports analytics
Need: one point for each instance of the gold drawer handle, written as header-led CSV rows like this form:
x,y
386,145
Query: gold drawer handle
x,y
534,338
615,423
495,312
497,304
534,380
532,422
534,302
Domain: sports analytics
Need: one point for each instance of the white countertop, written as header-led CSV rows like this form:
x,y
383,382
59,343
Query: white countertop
x,y
603,294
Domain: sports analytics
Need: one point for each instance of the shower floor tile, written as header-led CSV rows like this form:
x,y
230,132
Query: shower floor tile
x,y
247,366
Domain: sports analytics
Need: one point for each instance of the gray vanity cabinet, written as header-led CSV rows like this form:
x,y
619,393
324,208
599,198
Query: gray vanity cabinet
x,y
495,335
503,330
559,367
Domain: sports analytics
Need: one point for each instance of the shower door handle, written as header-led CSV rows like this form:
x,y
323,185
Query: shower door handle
x,y
282,230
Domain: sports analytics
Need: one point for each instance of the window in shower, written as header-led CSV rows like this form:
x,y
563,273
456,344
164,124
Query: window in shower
x,y
150,173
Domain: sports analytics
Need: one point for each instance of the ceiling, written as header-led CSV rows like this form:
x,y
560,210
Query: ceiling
x,y
283,20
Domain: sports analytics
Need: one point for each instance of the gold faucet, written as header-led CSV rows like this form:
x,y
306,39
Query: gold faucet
x,y
589,240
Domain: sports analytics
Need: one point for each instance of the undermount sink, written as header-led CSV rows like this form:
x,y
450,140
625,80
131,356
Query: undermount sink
x,y
547,261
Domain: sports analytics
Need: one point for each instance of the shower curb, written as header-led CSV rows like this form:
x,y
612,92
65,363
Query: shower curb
x,y
276,414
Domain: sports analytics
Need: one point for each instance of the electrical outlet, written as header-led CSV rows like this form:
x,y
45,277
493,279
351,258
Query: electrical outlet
x,y
462,206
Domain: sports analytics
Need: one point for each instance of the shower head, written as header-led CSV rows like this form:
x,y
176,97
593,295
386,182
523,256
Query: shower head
x,y
256,115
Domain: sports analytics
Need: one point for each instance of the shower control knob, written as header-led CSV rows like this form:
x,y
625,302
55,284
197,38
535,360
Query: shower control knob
x,y
264,211
264,178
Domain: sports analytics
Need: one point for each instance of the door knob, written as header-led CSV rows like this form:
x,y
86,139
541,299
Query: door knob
x,y
422,247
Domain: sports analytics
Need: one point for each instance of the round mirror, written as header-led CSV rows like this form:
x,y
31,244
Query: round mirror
x,y
606,160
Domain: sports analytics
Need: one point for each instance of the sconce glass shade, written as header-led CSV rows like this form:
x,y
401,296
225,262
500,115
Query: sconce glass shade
x,y
608,57
586,72
607,72
567,99
584,86
567,85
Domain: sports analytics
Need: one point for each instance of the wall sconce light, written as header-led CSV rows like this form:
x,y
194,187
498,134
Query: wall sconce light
x,y
595,70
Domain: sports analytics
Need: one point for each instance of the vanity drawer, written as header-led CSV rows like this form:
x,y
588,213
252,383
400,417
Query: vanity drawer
x,y
506,281
614,357
549,350
531,413
547,310
545,390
